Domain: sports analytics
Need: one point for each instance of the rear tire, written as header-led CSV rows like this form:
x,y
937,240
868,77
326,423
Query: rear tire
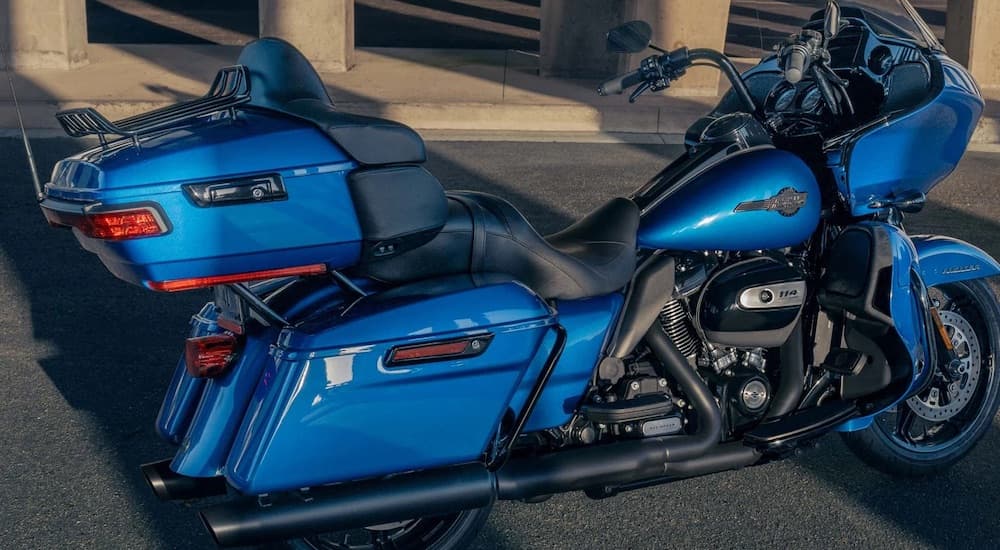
x,y
451,532
931,431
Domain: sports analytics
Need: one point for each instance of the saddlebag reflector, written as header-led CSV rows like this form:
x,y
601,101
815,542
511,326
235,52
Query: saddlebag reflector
x,y
436,351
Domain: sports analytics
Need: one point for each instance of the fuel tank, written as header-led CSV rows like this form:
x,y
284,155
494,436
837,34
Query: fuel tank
x,y
730,199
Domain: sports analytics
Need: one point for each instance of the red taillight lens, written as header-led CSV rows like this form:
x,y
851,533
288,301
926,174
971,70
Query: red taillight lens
x,y
120,225
201,282
210,356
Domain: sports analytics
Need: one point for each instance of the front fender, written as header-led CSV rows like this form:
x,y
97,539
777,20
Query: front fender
x,y
947,260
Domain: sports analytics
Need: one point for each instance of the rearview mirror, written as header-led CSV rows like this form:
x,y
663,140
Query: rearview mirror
x,y
632,37
831,24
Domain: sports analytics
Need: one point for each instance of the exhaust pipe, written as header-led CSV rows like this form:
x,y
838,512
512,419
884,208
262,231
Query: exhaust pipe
x,y
621,462
352,505
169,485
451,490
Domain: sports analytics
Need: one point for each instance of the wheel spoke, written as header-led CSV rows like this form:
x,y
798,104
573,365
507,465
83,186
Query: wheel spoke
x,y
904,421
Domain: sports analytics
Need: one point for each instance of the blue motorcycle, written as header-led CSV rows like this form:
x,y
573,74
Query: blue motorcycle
x,y
381,360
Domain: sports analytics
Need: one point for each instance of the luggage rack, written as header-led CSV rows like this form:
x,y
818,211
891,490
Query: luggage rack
x,y
230,88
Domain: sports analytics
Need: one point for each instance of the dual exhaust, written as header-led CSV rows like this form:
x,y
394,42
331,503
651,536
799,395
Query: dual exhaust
x,y
605,468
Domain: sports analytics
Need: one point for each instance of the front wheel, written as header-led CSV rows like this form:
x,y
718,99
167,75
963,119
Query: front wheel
x,y
450,532
934,429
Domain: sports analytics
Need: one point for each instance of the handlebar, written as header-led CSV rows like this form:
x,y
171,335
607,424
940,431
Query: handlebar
x,y
658,71
795,56
619,84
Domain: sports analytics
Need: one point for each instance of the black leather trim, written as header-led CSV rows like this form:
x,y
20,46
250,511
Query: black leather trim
x,y
283,80
484,233
399,208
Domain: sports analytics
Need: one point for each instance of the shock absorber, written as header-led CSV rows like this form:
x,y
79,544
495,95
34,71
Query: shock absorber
x,y
675,322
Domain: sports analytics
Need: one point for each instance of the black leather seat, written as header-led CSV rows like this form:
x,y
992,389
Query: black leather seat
x,y
281,79
401,208
485,233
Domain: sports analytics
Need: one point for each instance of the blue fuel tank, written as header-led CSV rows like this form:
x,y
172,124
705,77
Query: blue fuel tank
x,y
751,199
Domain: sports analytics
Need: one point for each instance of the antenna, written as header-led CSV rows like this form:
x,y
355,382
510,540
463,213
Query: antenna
x,y
39,195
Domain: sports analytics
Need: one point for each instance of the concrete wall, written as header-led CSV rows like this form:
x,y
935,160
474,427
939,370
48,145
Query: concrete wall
x,y
572,37
322,29
677,23
973,38
50,34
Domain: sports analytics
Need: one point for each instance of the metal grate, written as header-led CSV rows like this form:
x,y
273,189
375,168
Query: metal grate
x,y
230,88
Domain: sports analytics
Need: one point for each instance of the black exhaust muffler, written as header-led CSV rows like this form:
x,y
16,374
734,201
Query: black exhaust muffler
x,y
351,505
169,485
450,490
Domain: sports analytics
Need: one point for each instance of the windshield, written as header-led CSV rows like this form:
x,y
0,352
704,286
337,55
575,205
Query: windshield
x,y
896,18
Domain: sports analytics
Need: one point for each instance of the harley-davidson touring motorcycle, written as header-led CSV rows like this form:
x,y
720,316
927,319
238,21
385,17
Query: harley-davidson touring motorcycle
x,y
383,360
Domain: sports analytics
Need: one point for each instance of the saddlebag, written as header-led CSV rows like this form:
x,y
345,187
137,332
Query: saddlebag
x,y
417,377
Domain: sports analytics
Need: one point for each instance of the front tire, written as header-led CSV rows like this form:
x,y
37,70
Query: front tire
x,y
931,431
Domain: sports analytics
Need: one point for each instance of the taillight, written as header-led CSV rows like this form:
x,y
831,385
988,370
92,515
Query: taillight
x,y
119,225
210,356
201,282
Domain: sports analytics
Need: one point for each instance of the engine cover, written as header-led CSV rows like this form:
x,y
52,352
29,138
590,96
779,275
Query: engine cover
x,y
751,303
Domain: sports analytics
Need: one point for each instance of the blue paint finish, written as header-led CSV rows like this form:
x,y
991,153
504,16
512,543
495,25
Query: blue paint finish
x,y
947,260
185,391
914,151
588,325
701,214
203,415
328,409
316,224
224,401
908,321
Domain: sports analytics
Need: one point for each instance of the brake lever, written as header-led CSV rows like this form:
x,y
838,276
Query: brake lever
x,y
639,90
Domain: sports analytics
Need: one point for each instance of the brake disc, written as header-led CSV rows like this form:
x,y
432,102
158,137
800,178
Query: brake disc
x,y
945,400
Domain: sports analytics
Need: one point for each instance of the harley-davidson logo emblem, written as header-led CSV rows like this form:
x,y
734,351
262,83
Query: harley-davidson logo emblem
x,y
787,203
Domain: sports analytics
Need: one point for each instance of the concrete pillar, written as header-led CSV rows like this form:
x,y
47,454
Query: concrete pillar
x,y
972,37
676,23
46,34
572,36
322,29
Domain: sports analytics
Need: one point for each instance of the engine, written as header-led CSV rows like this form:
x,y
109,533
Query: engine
x,y
726,327
728,315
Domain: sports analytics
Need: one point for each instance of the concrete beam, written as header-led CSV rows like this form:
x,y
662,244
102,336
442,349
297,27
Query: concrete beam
x,y
322,29
44,34
572,36
973,39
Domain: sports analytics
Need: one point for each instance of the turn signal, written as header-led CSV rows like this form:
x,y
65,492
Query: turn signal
x,y
210,356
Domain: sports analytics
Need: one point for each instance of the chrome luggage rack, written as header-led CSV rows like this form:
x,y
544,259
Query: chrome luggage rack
x,y
230,88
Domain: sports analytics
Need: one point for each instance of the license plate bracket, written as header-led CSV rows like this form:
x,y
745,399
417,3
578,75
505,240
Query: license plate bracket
x,y
233,310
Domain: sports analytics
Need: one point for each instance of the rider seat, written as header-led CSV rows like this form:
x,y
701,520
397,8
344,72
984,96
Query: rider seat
x,y
484,233
411,230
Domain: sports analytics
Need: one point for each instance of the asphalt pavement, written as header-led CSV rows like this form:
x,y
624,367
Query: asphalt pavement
x,y
85,358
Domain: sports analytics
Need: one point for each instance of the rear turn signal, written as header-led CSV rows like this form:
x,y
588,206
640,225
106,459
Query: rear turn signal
x,y
202,282
210,356
120,225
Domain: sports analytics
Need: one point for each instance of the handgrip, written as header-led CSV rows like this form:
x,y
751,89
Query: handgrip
x,y
795,63
619,84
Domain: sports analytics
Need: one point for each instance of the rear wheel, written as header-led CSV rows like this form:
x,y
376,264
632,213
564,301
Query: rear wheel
x,y
934,429
450,532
